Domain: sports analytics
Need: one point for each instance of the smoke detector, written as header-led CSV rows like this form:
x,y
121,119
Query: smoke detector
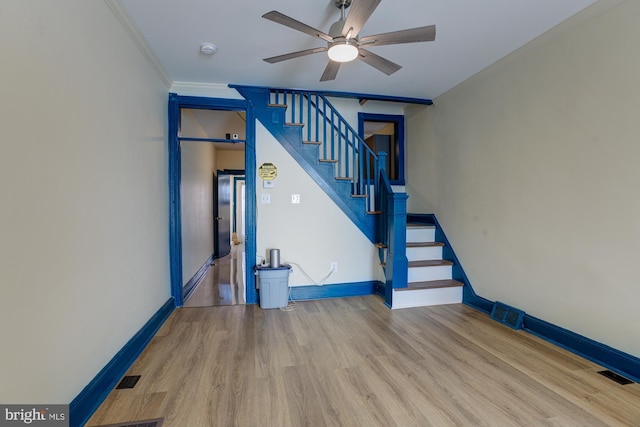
x,y
208,48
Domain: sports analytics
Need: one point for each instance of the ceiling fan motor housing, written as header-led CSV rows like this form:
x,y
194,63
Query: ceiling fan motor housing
x,y
336,29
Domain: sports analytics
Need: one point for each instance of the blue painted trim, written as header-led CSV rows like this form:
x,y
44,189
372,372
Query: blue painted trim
x,y
251,214
290,138
397,264
226,141
611,358
177,102
398,119
91,397
193,282
379,289
204,103
341,290
615,360
353,95
175,215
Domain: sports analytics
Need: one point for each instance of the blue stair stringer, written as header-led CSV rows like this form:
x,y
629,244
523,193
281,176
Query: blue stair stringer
x,y
307,155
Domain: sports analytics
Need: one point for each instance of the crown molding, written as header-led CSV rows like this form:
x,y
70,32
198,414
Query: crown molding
x,y
118,9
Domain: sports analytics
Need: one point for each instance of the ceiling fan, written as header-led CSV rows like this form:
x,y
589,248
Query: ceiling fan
x,y
343,44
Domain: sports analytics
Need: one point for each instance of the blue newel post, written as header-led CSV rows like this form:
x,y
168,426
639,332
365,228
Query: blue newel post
x,y
380,196
397,264
393,232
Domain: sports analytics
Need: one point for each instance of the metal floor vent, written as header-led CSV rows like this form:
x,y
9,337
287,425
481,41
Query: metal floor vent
x,y
507,315
129,381
615,377
157,422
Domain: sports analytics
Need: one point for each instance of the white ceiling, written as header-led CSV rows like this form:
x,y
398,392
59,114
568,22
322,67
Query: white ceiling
x,y
471,35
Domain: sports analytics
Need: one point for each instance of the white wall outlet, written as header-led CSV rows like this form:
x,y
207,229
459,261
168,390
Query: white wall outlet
x,y
334,266
295,198
265,198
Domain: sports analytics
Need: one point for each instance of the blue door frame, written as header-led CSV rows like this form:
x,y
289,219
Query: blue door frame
x,y
176,103
398,121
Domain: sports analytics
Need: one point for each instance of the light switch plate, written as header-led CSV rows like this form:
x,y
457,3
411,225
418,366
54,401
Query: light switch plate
x,y
265,198
295,198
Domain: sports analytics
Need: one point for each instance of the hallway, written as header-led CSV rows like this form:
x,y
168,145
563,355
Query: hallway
x,y
224,282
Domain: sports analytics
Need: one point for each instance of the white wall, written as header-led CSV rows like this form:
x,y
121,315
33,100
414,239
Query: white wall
x,y
229,159
313,233
83,178
531,167
196,196
350,107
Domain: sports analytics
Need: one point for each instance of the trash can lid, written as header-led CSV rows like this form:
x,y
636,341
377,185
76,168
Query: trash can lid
x,y
266,267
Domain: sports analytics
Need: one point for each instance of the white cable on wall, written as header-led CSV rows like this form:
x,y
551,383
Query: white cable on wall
x,y
309,278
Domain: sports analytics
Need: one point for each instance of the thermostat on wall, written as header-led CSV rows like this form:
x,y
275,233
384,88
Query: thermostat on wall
x,y
267,184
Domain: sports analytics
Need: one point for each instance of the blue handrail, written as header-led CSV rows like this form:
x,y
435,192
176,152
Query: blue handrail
x,y
354,159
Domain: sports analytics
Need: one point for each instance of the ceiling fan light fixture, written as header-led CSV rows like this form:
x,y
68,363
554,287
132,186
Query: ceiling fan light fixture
x,y
343,51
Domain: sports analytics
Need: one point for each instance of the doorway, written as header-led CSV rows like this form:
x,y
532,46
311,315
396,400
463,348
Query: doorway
x,y
385,133
196,135
229,208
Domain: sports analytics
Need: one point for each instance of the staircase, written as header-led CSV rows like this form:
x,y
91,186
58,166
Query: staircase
x,y
339,161
429,276
326,146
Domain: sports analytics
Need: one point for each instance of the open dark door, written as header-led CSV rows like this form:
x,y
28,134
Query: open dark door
x,y
222,214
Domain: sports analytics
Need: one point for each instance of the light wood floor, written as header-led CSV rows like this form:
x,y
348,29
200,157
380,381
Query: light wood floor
x,y
354,362
223,283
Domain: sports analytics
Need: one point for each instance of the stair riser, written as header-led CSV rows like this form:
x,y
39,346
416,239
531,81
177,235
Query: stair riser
x,y
426,297
428,253
421,234
425,274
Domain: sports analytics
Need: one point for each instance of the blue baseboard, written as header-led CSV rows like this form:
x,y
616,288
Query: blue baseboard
x,y
612,359
85,404
608,357
193,282
470,298
300,293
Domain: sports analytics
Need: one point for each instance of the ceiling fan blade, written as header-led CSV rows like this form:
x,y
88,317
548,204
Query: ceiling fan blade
x,y
296,25
359,13
378,62
292,55
412,35
331,71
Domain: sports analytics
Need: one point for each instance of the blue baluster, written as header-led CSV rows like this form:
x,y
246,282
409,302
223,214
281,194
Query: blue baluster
x,y
308,95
